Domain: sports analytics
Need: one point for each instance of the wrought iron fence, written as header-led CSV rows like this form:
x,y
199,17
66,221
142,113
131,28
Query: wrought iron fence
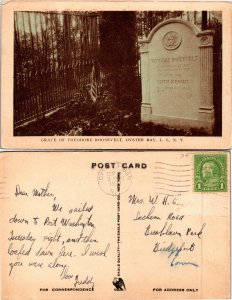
x,y
54,55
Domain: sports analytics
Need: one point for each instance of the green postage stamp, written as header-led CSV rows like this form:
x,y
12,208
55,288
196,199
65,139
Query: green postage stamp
x,y
210,173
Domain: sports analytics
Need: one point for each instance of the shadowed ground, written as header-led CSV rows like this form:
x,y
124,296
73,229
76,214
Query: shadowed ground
x,y
82,117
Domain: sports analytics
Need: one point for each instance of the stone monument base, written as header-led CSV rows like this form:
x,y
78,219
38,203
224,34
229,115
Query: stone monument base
x,y
204,122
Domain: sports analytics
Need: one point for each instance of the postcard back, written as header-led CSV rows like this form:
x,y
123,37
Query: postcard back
x,y
115,225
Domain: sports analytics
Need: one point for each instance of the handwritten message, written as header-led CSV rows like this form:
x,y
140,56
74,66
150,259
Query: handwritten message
x,y
55,238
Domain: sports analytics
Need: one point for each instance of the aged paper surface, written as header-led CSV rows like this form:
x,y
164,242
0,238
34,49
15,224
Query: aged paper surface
x,y
19,27
115,225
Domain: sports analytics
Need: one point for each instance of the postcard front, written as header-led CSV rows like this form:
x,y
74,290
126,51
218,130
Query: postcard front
x,y
115,225
126,76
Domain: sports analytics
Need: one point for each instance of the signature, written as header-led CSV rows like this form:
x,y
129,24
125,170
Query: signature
x,y
86,281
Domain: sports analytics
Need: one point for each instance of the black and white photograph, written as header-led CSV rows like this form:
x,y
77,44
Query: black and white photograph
x,y
117,73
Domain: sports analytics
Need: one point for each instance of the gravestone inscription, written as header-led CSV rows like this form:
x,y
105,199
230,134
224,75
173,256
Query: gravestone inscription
x,y
177,76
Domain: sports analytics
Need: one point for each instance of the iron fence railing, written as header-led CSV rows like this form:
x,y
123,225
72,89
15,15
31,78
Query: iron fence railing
x,y
54,54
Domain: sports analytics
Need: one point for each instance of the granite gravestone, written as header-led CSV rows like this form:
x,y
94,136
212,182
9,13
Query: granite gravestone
x,y
177,76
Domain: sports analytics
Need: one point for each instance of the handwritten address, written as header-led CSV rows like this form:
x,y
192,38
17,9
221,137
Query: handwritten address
x,y
170,231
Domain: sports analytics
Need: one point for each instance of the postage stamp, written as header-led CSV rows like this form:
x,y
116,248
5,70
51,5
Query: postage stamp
x,y
210,173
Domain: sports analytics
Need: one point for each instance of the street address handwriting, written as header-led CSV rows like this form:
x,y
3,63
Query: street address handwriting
x,y
163,221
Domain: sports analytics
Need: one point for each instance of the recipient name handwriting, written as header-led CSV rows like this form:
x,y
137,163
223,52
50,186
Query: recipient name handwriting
x,y
56,238
173,234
